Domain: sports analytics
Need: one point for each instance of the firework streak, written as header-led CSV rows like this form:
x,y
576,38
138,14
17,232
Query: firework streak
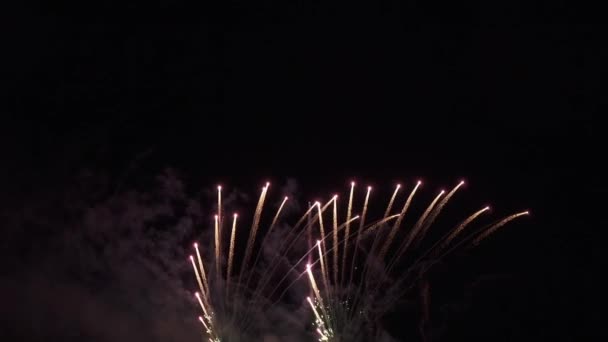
x,y
356,277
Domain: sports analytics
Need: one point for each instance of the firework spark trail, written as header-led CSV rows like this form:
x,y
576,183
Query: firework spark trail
x,y
329,316
323,249
322,337
268,275
358,239
413,233
495,227
490,228
366,264
219,201
323,258
202,281
389,207
253,232
306,217
320,323
308,253
325,323
397,223
317,293
295,265
208,326
369,229
218,232
219,229
424,216
461,227
436,212
250,244
363,214
311,250
443,242
202,268
313,283
203,284
309,229
231,248
321,227
276,216
453,233
265,238
217,246
347,233
203,306
198,277
335,226
204,324
361,223
314,309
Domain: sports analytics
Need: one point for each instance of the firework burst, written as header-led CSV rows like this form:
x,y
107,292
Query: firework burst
x,y
349,269
348,300
233,294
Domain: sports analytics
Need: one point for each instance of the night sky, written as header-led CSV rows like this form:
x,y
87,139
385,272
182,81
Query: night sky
x,y
104,103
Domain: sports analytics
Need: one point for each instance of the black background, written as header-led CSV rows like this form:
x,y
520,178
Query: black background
x,y
240,93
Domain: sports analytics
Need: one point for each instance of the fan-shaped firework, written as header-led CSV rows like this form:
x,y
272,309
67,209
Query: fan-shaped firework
x,y
222,293
230,298
348,299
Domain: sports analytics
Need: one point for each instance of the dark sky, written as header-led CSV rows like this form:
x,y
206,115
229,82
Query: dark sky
x,y
240,93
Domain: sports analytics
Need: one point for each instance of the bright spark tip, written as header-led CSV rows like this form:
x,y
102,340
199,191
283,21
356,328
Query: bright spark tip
x,y
369,188
196,294
487,208
398,185
318,242
236,215
191,257
215,216
195,245
286,198
219,187
527,212
352,183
